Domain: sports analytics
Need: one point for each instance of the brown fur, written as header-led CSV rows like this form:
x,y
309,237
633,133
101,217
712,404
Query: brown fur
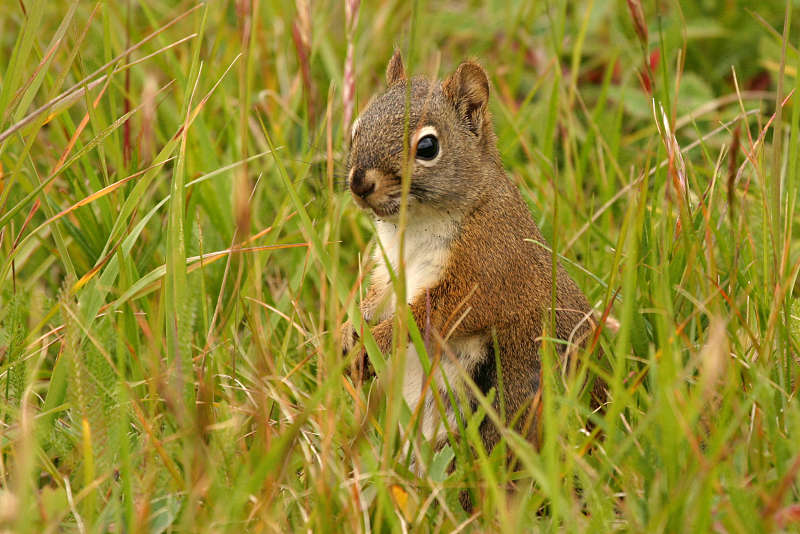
x,y
495,280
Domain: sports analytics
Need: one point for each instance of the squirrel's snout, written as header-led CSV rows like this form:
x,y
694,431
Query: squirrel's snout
x,y
361,184
372,190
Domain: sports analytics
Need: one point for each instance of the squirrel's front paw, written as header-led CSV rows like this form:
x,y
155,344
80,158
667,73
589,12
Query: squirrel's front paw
x,y
348,336
360,368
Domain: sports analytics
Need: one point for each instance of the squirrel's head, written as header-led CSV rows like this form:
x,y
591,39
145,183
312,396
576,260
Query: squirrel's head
x,y
439,134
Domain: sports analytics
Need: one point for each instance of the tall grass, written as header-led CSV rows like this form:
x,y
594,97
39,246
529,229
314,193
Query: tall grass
x,y
177,253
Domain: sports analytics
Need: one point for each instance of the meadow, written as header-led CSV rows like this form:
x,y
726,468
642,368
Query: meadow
x,y
178,250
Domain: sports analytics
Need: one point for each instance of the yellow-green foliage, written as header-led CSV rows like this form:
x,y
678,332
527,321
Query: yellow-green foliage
x,y
144,390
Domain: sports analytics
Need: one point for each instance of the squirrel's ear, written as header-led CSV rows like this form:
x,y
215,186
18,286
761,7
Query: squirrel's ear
x,y
468,90
395,71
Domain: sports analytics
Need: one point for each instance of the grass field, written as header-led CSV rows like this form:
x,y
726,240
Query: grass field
x,y
177,252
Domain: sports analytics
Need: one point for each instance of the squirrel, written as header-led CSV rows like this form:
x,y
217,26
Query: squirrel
x,y
477,271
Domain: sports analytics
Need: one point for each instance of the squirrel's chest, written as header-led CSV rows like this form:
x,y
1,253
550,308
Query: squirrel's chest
x,y
425,256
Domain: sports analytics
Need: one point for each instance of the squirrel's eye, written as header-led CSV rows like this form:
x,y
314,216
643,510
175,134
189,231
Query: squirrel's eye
x,y
427,147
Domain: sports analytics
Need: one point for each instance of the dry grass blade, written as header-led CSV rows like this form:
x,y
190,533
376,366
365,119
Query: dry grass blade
x,y
74,93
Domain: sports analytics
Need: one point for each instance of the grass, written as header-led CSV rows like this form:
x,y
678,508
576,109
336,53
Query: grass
x,y
177,252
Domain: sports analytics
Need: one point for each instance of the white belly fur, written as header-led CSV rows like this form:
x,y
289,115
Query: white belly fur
x,y
427,249
458,361
427,244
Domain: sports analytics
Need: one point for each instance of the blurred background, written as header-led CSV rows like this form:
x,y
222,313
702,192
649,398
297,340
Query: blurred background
x,y
177,250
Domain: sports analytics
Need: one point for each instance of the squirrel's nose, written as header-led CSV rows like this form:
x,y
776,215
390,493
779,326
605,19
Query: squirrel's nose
x,y
361,184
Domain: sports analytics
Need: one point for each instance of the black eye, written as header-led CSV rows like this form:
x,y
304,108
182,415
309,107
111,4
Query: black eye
x,y
428,147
